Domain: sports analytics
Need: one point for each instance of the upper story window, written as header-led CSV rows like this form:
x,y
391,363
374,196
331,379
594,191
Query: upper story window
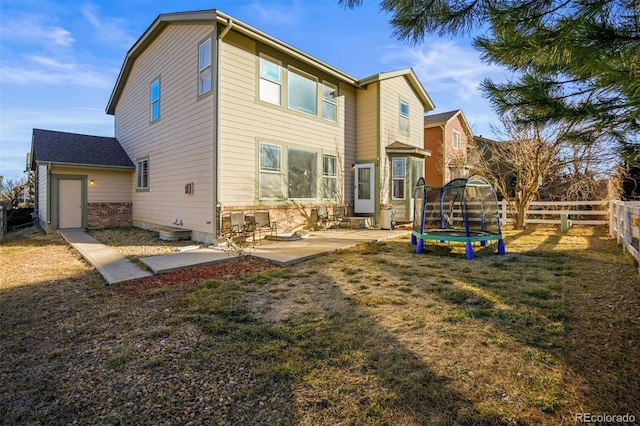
x,y
404,116
204,67
456,140
142,174
155,99
329,102
303,93
270,81
399,173
270,179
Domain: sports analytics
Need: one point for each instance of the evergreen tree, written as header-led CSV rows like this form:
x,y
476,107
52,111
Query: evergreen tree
x,y
573,61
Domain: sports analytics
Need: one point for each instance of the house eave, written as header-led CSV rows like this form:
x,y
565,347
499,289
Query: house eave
x,y
410,151
413,80
212,16
85,166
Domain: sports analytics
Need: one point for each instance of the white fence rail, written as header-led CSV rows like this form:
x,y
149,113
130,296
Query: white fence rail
x,y
624,225
580,212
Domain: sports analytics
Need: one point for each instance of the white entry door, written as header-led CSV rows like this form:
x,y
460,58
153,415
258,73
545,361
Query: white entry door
x,y
69,203
364,201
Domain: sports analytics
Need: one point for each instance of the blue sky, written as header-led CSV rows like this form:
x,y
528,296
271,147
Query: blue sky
x,y
60,59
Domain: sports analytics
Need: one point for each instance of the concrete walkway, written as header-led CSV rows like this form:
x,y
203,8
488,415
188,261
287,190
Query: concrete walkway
x,y
116,268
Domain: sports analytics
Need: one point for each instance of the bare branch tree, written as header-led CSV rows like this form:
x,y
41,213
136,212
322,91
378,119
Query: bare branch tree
x,y
518,167
13,190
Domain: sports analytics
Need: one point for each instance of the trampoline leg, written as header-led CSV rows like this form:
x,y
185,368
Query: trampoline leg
x,y
468,253
414,240
483,243
420,246
501,247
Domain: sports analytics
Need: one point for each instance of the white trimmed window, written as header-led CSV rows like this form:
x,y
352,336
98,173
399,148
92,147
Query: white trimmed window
x,y
302,93
301,173
404,116
155,99
142,174
329,176
399,173
270,81
204,67
329,102
456,140
270,185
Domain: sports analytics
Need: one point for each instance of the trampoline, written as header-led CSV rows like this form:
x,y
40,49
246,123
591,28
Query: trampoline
x,y
464,210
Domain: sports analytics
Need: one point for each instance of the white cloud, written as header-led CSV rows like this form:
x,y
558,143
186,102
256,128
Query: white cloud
x,y
46,71
17,125
49,62
451,74
109,30
445,66
35,28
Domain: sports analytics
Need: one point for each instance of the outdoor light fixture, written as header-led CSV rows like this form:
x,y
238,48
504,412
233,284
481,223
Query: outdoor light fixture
x,y
92,182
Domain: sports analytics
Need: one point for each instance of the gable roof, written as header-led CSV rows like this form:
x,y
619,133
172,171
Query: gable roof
x,y
440,118
73,149
444,118
214,16
410,76
211,16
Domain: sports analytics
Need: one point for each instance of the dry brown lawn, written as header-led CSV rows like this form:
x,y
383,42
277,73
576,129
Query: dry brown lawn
x,y
371,335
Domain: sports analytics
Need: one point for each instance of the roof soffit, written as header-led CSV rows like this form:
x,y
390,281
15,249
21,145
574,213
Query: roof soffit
x,y
212,16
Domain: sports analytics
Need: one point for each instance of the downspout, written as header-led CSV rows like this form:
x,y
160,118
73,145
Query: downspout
x,y
378,166
217,205
49,201
444,154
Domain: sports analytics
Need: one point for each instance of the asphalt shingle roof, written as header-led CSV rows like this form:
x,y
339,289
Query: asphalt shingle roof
x,y
73,148
443,117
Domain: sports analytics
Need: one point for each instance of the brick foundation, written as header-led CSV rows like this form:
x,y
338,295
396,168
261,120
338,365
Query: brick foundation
x,y
288,217
109,215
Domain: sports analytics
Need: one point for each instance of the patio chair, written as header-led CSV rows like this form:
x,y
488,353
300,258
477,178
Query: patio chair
x,y
242,227
339,215
264,224
323,216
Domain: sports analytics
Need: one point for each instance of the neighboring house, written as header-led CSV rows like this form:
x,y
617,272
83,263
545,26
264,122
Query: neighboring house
x,y
447,136
217,116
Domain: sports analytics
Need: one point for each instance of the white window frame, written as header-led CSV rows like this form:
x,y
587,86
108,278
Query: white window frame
x,y
455,140
142,174
299,74
399,176
404,123
264,171
155,100
265,81
205,67
329,101
330,177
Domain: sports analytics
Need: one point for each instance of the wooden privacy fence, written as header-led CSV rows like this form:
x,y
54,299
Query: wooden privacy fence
x,y
580,212
624,226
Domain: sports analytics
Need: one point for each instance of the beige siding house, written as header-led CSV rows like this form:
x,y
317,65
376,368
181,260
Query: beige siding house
x,y
447,136
217,116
